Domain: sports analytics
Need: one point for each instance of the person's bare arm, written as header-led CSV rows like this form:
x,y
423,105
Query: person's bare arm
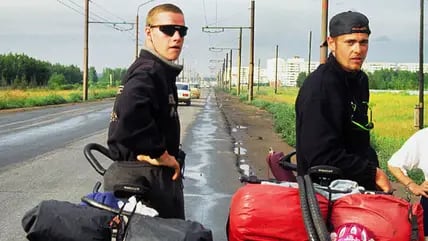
x,y
408,182
382,181
164,160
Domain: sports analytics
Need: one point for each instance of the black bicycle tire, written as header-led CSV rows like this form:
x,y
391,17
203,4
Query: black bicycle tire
x,y
307,219
314,209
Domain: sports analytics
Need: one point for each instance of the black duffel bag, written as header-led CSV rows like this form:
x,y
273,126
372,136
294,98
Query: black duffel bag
x,y
146,228
54,220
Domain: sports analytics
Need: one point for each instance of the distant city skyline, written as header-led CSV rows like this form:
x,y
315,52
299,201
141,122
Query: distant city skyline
x,y
52,30
289,69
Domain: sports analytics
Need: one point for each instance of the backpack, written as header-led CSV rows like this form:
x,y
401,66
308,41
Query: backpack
x,y
268,212
386,216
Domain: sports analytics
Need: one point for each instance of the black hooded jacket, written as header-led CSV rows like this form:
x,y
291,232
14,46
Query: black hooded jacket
x,y
326,106
145,118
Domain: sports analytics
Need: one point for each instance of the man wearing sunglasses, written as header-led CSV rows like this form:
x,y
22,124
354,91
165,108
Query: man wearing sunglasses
x,y
145,127
332,126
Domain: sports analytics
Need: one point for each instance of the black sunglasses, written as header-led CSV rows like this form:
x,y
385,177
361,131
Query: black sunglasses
x,y
170,29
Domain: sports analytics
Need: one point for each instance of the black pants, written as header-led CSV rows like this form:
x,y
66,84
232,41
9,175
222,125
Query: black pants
x,y
164,195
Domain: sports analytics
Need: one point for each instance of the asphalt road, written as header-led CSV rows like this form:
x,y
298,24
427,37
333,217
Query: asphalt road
x,y
27,134
41,158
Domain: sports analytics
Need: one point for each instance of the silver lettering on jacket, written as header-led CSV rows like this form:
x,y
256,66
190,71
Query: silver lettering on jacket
x,y
171,102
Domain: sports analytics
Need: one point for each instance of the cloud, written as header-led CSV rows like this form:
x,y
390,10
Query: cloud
x,y
53,32
382,38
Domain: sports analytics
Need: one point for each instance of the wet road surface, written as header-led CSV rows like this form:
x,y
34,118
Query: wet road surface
x,y
211,175
27,134
61,172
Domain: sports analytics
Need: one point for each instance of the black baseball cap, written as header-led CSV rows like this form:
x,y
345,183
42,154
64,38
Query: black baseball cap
x,y
347,23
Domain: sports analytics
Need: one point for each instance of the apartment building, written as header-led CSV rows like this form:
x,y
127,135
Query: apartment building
x,y
287,70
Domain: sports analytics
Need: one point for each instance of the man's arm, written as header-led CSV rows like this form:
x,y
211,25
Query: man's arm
x,y
382,181
408,182
407,158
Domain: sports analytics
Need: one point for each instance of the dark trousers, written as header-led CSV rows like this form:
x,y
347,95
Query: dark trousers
x,y
424,204
164,194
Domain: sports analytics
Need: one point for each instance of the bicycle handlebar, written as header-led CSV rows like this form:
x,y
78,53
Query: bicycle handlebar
x,y
87,151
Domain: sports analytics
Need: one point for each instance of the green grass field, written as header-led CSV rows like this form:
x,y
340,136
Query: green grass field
x,y
10,99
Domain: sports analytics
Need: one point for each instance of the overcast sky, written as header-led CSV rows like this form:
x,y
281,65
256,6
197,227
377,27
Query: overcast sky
x,y
49,30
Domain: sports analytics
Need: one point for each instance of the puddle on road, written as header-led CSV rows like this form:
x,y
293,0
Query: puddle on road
x,y
239,150
242,164
237,128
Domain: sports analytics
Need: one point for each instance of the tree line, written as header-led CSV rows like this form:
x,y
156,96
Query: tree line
x,y
385,79
22,71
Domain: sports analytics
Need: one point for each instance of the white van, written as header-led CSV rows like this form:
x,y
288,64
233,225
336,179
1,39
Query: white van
x,y
183,91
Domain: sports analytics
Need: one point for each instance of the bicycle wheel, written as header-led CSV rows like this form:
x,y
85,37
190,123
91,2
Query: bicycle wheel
x,y
307,220
315,211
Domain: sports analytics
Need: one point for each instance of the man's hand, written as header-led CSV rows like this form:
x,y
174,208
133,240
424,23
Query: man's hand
x,y
164,160
382,181
418,189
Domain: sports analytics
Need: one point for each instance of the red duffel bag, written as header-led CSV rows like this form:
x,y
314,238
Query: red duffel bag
x,y
264,212
389,218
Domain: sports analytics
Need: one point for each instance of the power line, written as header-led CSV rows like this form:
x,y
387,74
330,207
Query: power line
x,y
79,11
96,18
107,11
72,8
205,12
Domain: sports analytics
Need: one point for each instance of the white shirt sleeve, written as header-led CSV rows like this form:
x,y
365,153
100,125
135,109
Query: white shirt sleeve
x,y
413,154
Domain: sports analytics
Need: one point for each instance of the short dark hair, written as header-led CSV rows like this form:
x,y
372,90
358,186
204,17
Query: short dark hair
x,y
167,7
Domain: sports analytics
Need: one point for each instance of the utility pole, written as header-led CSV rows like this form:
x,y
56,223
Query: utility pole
x,y
258,76
220,74
230,71
223,73
221,29
238,87
226,73
85,52
324,19
421,67
309,52
276,69
136,35
85,46
182,71
251,66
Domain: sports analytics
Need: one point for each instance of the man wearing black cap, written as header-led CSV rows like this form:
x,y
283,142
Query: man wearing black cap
x,y
332,125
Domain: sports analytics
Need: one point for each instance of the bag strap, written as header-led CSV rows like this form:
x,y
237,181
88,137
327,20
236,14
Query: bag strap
x,y
119,224
329,224
413,219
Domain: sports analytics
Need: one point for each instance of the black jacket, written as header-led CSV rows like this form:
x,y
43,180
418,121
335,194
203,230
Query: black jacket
x,y
145,118
327,103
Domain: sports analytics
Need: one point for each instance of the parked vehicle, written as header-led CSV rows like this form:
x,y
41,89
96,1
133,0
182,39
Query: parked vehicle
x,y
183,91
195,91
